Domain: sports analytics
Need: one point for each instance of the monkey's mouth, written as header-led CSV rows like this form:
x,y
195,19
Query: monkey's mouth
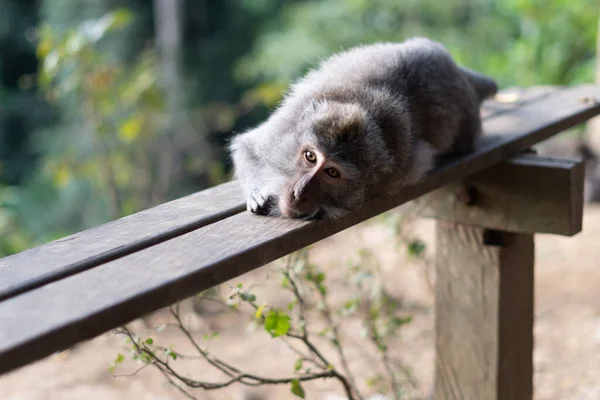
x,y
293,213
315,215
290,209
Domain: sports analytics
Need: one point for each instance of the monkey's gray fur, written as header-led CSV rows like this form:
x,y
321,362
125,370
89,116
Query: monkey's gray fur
x,y
382,112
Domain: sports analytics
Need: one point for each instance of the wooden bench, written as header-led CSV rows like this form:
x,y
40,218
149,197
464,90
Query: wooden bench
x,y
489,204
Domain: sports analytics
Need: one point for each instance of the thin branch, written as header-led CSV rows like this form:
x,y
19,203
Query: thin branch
x,y
391,375
224,366
131,373
303,356
337,344
406,371
301,303
243,377
173,383
179,355
166,368
326,312
106,168
380,346
310,346
203,353
235,375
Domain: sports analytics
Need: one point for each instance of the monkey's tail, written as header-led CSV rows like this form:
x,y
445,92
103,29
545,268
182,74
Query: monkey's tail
x,y
483,85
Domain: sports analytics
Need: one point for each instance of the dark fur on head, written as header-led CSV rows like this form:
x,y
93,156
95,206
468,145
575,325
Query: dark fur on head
x,y
367,121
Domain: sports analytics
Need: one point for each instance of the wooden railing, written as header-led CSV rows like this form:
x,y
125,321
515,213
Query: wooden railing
x,y
489,204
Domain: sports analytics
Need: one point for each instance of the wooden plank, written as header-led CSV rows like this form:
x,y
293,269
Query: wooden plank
x,y
527,194
72,254
60,314
84,250
510,98
484,314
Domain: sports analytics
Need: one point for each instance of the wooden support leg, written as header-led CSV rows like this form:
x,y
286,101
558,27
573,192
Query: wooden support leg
x,y
484,314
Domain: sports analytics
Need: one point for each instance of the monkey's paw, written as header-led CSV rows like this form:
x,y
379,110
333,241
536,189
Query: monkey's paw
x,y
260,204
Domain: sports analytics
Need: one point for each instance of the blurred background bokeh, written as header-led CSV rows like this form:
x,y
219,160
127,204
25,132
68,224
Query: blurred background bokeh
x,y
111,106
108,107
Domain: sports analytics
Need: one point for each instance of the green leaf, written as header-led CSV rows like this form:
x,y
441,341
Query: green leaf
x,y
94,30
210,336
416,248
298,365
62,175
45,44
259,311
50,66
247,296
322,289
401,321
120,358
320,277
324,331
297,389
121,18
74,44
131,128
149,341
277,323
351,306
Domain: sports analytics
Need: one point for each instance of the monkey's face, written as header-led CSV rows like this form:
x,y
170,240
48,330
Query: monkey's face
x,y
323,187
337,155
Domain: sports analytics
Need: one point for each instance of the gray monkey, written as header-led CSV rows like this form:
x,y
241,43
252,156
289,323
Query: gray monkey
x,y
367,121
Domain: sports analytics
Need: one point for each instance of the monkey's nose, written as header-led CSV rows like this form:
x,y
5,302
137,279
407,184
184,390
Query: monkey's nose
x,y
298,197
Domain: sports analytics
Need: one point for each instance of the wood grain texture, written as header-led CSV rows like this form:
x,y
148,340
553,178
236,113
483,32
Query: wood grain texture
x,y
79,307
84,250
87,249
510,98
484,314
526,194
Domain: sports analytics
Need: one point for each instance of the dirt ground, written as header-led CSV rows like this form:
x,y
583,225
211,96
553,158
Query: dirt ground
x,y
567,330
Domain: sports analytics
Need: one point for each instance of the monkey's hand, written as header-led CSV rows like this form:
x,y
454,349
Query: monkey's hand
x,y
261,204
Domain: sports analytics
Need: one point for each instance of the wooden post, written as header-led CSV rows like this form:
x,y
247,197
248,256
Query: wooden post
x,y
484,314
485,271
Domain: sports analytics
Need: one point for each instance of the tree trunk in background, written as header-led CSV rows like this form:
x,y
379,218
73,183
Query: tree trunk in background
x,y
169,33
169,41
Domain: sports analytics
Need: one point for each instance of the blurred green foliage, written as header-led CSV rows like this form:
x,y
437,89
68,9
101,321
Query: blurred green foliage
x,y
519,42
84,133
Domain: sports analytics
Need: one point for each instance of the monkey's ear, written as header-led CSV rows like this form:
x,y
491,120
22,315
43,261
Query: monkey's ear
x,y
340,120
352,119
314,104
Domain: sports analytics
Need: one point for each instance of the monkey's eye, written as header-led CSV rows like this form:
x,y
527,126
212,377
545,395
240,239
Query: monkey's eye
x,y
332,172
310,156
